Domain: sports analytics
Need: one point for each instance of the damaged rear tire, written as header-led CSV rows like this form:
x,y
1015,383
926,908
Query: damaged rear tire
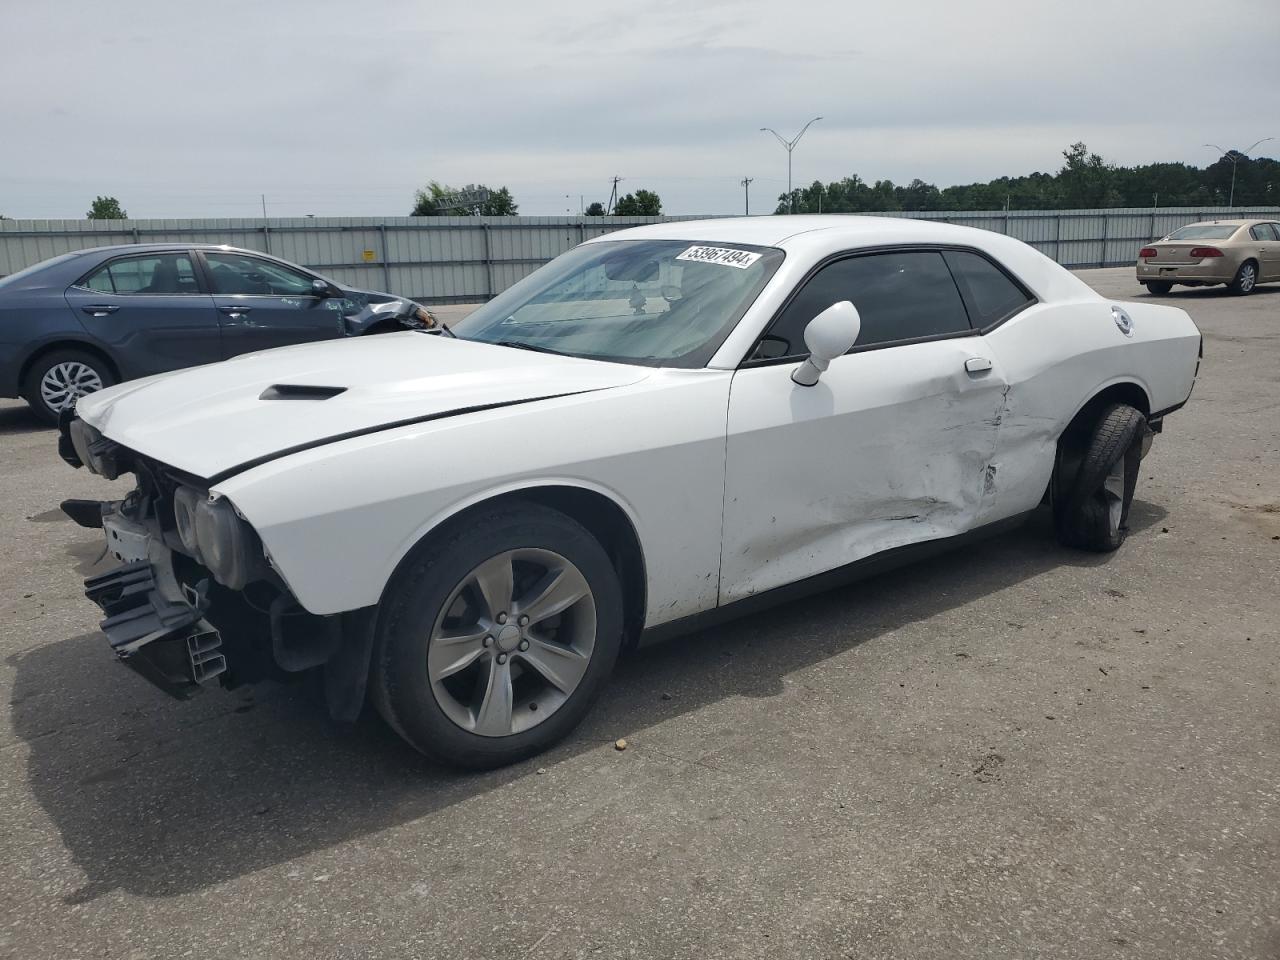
x,y
1095,478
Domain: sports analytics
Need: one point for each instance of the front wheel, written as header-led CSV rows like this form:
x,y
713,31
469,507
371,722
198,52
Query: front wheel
x,y
58,379
1245,280
497,636
1095,478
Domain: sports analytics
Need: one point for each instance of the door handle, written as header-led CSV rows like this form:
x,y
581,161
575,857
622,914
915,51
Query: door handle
x,y
977,365
99,309
235,311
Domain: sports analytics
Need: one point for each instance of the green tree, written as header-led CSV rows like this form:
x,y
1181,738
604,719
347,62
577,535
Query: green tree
x,y
106,208
429,202
642,203
595,209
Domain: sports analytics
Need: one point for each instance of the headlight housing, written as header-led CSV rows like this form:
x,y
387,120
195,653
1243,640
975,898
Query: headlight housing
x,y
102,456
215,535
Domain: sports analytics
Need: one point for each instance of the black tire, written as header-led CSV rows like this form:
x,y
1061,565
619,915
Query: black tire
x,y
1158,288
1245,280
1083,509
65,358
401,687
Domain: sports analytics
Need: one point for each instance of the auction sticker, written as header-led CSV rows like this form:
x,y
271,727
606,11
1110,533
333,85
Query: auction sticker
x,y
724,256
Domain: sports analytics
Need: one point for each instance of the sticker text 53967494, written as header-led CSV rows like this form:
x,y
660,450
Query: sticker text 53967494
x,y
724,256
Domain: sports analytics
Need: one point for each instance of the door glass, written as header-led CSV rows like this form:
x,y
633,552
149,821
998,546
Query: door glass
x,y
164,274
992,293
899,296
234,273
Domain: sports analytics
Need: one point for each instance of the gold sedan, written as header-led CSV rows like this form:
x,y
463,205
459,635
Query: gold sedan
x,y
1238,253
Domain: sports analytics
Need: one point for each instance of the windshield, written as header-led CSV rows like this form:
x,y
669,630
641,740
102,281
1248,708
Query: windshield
x,y
1205,231
35,267
653,302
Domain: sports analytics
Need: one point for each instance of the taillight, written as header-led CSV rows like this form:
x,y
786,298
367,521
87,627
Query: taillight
x,y
1147,253
1200,253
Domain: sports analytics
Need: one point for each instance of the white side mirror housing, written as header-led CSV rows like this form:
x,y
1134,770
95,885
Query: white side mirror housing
x,y
829,335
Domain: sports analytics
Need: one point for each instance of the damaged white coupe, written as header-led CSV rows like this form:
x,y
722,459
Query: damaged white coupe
x,y
662,426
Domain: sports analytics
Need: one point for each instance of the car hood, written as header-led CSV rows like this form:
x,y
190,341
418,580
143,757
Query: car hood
x,y
213,420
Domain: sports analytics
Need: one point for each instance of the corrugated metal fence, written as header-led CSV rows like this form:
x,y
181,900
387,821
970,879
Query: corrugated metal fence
x,y
469,259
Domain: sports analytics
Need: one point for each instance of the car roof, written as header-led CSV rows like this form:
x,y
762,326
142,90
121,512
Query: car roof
x,y
814,237
178,245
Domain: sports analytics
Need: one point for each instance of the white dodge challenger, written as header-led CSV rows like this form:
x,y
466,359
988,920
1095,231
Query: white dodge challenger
x,y
662,426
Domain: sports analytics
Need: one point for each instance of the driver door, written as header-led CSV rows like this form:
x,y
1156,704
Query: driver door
x,y
890,447
262,304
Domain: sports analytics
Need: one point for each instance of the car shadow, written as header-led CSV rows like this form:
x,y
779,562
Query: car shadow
x,y
1210,293
160,798
19,418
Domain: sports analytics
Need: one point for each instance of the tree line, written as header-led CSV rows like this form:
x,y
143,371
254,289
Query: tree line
x,y
1085,181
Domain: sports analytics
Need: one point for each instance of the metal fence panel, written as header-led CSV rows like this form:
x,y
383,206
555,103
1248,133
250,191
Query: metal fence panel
x,y
469,259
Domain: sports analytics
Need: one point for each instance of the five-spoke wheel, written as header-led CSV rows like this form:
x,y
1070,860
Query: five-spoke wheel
x,y
496,635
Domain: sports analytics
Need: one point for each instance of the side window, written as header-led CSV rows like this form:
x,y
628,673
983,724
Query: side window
x,y
899,296
1264,231
235,273
992,293
166,273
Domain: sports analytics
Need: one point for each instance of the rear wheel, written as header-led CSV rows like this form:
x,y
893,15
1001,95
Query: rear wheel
x,y
1095,479
497,637
1159,288
1246,279
58,379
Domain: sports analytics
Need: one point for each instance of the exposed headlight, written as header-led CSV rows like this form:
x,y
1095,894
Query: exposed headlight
x,y
102,456
213,533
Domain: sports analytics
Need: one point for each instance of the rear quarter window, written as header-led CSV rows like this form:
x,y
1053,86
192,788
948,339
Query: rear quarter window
x,y
992,294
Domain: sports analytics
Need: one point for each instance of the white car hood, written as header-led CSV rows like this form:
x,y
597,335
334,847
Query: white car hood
x,y
213,419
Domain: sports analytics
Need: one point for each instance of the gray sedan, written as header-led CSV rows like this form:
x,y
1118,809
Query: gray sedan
x,y
84,320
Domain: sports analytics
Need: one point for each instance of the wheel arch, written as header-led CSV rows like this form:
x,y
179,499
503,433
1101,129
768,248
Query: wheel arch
x,y
1075,436
603,515
66,343
1121,391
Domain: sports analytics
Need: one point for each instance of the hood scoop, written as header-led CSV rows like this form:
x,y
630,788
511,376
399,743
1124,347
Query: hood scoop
x,y
299,391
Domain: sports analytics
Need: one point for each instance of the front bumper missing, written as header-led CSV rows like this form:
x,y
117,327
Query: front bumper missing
x,y
157,628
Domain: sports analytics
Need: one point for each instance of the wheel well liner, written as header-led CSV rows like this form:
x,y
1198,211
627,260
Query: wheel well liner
x,y
604,519
48,348
1087,415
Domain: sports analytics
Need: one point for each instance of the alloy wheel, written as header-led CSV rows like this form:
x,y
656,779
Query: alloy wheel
x,y
65,383
512,642
1113,495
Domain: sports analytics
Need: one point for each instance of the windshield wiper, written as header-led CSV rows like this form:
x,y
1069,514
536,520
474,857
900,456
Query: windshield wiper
x,y
521,345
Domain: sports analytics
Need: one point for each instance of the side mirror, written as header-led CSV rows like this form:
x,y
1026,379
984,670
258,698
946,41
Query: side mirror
x,y
323,290
829,335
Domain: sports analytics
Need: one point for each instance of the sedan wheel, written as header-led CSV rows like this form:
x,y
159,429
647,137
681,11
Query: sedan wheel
x,y
1246,278
57,380
65,383
496,636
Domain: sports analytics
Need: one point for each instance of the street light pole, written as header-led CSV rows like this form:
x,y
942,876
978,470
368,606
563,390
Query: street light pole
x,y
791,145
1234,156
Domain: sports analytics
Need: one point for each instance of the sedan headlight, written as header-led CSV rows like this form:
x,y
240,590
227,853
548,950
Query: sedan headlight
x,y
215,535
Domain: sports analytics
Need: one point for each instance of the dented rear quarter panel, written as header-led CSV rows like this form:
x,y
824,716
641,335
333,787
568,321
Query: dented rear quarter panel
x,y
1056,358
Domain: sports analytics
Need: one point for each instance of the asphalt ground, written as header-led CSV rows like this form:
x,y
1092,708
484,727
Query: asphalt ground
x,y
1013,751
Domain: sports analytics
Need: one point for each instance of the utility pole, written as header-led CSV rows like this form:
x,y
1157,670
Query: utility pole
x,y
1234,156
613,196
264,206
746,196
790,145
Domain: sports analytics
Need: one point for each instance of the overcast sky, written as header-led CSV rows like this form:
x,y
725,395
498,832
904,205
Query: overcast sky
x,y
343,108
